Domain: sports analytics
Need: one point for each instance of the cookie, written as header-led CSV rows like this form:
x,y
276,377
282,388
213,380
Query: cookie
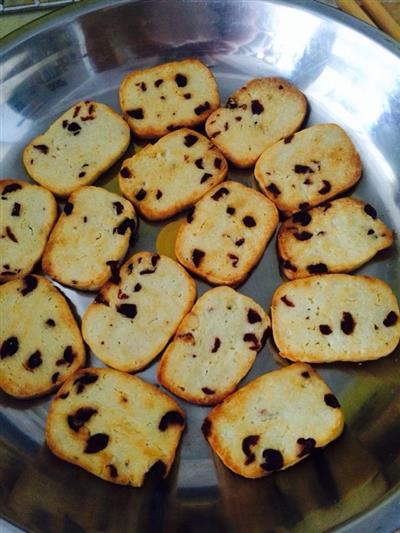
x,y
226,233
166,97
115,426
274,422
335,317
339,236
166,177
255,117
78,147
40,342
27,214
132,318
89,239
308,168
215,346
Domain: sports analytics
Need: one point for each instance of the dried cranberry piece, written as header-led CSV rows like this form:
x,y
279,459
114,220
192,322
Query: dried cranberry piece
x,y
371,211
181,80
303,169
78,419
331,401
11,187
222,191
390,320
347,323
307,445
30,284
217,344
302,218
273,460
136,113
42,148
96,443
273,189
249,221
197,256
202,108
16,210
190,140
34,360
171,418
253,316
125,172
247,443
128,310
325,188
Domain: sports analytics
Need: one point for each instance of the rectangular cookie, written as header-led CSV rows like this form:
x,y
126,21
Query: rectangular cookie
x,y
146,303
255,117
215,346
308,168
226,233
338,236
78,147
40,342
274,421
335,317
27,214
172,174
166,97
89,239
115,426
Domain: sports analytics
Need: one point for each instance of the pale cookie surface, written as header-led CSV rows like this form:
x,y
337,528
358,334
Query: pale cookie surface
x,y
164,178
80,145
40,342
308,168
255,117
335,317
339,236
115,426
89,238
160,99
226,233
215,346
27,214
131,321
274,421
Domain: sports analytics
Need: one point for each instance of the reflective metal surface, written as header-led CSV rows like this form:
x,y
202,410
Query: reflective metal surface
x,y
351,75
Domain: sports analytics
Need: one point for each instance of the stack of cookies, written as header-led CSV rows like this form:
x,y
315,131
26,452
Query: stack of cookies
x,y
115,425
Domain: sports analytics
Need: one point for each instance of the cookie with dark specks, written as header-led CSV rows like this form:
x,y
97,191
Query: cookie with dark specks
x,y
78,147
226,233
215,346
335,317
274,421
115,426
169,96
27,214
132,318
166,177
255,117
89,239
40,342
338,236
308,168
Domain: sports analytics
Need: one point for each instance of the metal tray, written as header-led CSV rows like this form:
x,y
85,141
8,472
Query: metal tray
x,y
351,75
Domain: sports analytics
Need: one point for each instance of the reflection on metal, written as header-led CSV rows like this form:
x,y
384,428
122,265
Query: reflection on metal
x,y
16,6
350,73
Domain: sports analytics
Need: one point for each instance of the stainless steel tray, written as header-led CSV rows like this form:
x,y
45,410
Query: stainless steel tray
x,y
351,75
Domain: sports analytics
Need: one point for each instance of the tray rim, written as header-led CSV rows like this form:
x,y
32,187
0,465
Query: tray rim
x,y
386,512
56,17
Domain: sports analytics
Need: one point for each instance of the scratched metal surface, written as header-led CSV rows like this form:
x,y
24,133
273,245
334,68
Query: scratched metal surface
x,y
351,75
